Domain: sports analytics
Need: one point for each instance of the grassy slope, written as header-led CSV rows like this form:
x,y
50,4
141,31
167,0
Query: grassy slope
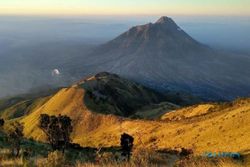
x,y
22,108
16,107
68,101
110,94
206,127
225,129
154,111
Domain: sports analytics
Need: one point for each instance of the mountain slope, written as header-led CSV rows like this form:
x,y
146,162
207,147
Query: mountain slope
x,y
111,94
15,107
224,128
204,127
164,57
103,93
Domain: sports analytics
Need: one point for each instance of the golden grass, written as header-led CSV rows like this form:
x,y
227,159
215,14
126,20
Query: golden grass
x,y
6,160
142,157
149,158
223,130
188,112
206,162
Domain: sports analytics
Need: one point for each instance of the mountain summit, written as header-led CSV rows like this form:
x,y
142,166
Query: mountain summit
x,y
163,56
168,22
162,37
164,20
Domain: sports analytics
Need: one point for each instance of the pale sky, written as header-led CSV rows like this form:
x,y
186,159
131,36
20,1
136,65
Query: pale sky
x,y
126,7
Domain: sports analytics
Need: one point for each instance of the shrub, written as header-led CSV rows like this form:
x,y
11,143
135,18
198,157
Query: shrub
x,y
15,135
1,122
126,145
57,129
185,152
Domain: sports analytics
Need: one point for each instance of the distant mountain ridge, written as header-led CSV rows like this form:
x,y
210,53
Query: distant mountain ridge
x,y
164,57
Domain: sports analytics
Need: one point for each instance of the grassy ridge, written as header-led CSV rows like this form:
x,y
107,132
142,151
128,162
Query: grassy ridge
x,y
203,128
224,129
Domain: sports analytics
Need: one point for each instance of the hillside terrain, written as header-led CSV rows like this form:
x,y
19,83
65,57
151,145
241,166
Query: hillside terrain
x,y
223,129
104,106
99,120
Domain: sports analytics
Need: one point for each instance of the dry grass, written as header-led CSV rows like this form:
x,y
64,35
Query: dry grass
x,y
141,157
225,130
208,162
7,160
149,158
202,128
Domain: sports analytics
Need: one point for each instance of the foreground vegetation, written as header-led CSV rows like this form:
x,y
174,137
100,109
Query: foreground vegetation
x,y
42,155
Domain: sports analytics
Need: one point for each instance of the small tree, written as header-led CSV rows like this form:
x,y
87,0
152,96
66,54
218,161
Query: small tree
x,y
1,122
126,145
57,130
15,135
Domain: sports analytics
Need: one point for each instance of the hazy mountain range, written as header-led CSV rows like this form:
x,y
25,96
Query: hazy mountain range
x,y
159,55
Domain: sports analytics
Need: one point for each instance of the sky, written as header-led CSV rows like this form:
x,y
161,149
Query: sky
x,y
125,7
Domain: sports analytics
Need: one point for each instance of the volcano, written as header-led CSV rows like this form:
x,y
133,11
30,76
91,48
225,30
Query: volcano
x,y
163,56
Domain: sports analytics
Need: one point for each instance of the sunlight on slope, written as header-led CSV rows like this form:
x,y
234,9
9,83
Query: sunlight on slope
x,y
188,112
68,101
201,129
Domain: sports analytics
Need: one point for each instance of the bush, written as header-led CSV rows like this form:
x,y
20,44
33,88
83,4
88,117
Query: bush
x,y
185,152
1,122
127,143
15,135
57,130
